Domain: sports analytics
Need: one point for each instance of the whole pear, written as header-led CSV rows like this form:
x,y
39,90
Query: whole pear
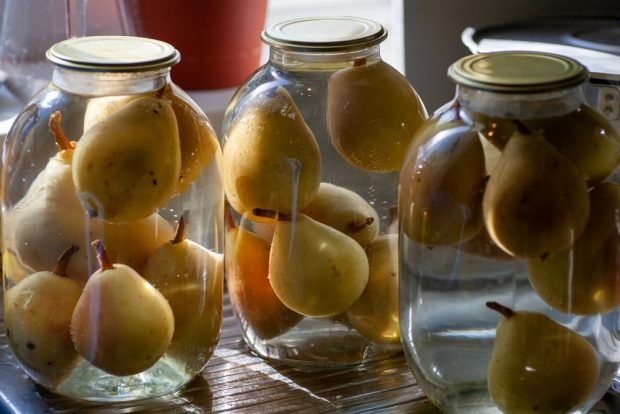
x,y
539,366
441,187
585,278
271,158
314,269
187,274
585,137
121,323
198,140
251,295
49,217
37,315
375,313
128,165
346,211
536,202
372,115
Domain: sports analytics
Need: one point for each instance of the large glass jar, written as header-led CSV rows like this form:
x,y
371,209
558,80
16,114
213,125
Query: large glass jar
x,y
509,241
312,146
112,213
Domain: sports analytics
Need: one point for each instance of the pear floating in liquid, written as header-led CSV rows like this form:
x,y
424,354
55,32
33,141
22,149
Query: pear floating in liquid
x,y
37,316
314,269
187,274
128,165
121,323
441,188
539,366
536,202
586,138
199,144
585,279
251,295
372,115
50,216
346,211
198,141
375,313
271,158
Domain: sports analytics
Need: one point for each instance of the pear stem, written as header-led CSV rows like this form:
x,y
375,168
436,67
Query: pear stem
x,y
264,212
179,235
102,255
355,227
522,128
230,221
507,312
360,61
63,261
62,142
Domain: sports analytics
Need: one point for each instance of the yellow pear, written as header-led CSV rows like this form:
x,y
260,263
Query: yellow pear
x,y
314,269
372,115
121,323
586,138
375,313
128,165
441,187
49,217
346,211
271,159
247,269
536,202
539,366
37,315
187,274
198,141
585,279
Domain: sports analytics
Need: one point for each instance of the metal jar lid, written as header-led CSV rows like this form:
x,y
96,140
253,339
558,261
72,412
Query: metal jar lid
x,y
324,34
518,72
113,54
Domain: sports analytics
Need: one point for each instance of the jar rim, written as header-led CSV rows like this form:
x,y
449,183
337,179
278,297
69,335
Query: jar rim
x,y
324,34
113,54
518,72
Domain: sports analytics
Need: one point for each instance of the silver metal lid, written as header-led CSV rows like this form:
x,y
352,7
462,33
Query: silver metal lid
x,y
324,34
518,72
113,54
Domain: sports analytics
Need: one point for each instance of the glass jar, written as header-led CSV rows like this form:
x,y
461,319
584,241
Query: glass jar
x,y
313,142
509,238
112,213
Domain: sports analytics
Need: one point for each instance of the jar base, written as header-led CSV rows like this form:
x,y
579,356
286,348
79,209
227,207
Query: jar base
x,y
308,352
89,383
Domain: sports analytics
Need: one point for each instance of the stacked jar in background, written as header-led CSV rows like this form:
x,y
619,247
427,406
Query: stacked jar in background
x,y
313,143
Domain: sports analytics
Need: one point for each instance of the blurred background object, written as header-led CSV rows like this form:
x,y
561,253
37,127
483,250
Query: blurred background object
x,y
219,41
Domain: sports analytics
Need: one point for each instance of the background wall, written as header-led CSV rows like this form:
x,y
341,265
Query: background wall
x,y
433,33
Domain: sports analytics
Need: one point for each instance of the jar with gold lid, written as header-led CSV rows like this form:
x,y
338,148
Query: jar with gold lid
x,y
112,214
312,145
509,239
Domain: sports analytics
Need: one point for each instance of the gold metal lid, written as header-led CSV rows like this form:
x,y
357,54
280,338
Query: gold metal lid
x,y
520,72
113,54
324,34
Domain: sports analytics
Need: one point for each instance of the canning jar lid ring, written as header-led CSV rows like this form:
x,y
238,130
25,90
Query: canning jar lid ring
x,y
113,54
518,72
324,34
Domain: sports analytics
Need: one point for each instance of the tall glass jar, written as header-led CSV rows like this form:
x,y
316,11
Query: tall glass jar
x,y
509,241
312,145
112,213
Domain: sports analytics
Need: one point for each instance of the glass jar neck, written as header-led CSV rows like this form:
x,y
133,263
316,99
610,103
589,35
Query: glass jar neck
x,y
313,60
521,106
109,83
